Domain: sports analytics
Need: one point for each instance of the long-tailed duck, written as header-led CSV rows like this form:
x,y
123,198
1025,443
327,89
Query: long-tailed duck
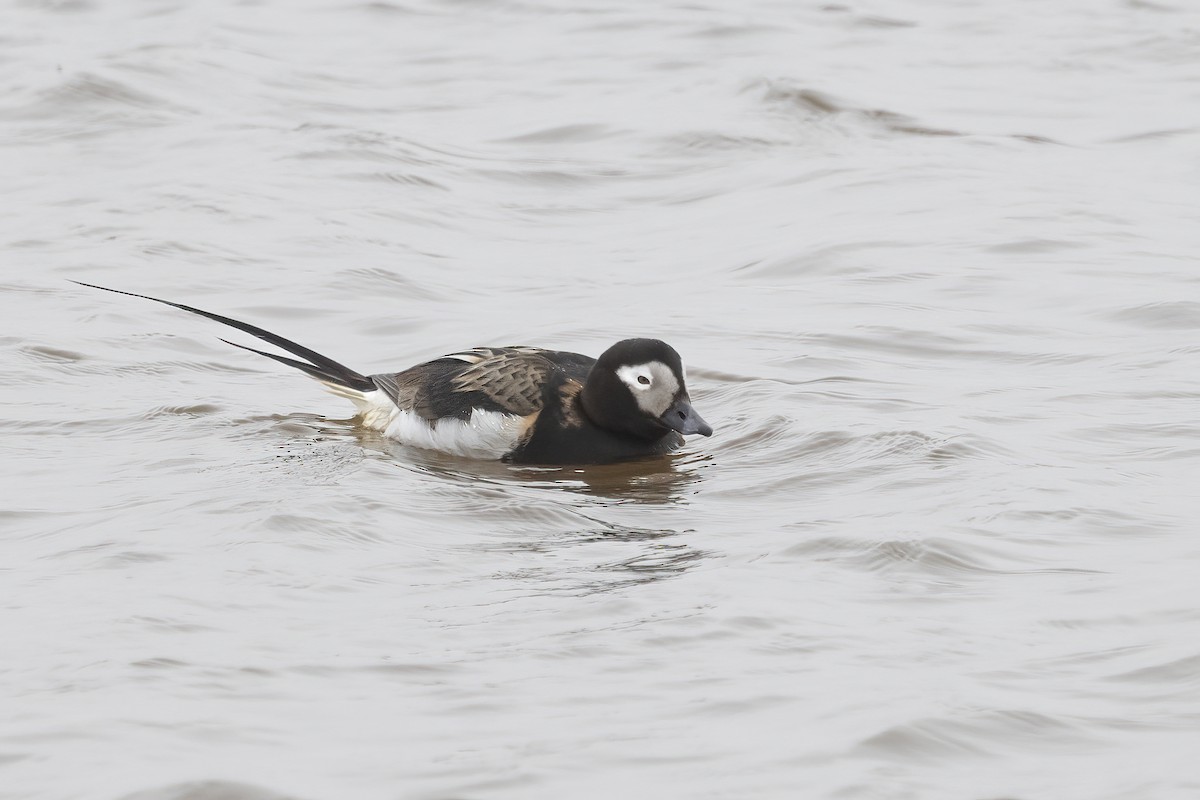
x,y
524,405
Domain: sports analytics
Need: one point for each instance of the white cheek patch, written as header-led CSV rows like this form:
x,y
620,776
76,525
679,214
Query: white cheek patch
x,y
655,396
630,375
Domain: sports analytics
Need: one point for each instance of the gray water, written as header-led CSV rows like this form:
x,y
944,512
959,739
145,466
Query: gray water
x,y
932,267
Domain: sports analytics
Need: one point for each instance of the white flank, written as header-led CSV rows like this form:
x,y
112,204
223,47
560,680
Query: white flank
x,y
488,434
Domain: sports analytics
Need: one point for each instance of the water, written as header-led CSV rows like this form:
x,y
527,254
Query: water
x,y
932,266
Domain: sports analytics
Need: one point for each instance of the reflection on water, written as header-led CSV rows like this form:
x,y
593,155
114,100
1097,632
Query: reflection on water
x,y
643,554
532,510
661,480
658,480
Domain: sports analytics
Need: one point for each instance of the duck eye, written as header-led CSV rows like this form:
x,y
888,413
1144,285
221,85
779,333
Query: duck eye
x,y
643,380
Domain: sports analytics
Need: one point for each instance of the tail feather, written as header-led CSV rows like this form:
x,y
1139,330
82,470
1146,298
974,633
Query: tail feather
x,y
320,367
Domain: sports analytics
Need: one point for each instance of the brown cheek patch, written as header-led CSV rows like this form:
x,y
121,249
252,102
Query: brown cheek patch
x,y
527,424
568,394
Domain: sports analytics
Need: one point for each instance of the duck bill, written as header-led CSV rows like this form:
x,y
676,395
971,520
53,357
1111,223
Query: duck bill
x,y
683,418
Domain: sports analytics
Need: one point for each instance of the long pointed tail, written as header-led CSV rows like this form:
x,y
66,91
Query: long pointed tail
x,y
320,367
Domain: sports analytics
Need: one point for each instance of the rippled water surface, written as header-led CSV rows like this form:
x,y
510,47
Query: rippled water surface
x,y
933,269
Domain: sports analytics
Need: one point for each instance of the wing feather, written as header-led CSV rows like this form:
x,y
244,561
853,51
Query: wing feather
x,y
508,380
513,378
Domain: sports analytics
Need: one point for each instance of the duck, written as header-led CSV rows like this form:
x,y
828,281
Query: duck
x,y
517,404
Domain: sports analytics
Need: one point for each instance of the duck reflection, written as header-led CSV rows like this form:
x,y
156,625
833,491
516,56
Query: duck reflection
x,y
660,480
646,554
557,511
